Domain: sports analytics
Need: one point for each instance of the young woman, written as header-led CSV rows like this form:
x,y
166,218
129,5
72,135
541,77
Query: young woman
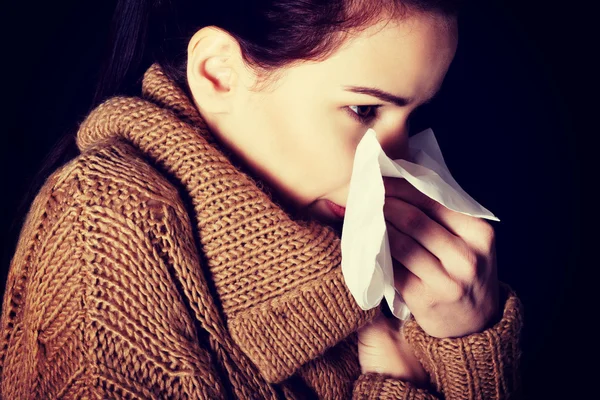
x,y
192,248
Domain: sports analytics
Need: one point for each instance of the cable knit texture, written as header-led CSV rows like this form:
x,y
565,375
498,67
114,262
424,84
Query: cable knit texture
x,y
156,266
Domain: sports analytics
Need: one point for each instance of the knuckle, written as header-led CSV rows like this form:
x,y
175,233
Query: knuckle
x,y
470,264
456,292
486,232
430,301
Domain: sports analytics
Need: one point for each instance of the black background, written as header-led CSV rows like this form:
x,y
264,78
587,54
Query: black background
x,y
509,120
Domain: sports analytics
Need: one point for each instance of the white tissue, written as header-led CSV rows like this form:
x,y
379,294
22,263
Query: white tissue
x,y
366,258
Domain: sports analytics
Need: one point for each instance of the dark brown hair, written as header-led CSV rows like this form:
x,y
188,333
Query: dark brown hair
x,y
271,34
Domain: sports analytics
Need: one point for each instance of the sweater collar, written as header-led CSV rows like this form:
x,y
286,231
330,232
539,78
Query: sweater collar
x,y
277,279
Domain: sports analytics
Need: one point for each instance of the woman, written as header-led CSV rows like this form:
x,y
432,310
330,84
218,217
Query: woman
x,y
192,249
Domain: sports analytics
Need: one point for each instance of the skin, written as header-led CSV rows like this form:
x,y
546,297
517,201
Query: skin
x,y
444,268
300,137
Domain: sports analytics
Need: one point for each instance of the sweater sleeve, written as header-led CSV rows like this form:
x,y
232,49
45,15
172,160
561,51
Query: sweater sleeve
x,y
91,307
379,386
483,365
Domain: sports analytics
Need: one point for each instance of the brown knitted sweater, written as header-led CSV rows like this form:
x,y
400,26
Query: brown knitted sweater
x,y
153,266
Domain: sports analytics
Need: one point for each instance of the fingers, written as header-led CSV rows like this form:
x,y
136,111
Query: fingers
x,y
424,246
407,283
423,265
473,230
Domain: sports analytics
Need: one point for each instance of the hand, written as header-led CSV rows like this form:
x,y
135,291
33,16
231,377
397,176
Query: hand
x,y
444,262
382,348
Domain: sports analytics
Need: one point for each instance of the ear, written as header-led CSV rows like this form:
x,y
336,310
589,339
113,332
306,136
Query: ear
x,y
213,70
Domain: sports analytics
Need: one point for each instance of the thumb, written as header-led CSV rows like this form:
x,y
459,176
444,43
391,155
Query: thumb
x,y
382,348
377,336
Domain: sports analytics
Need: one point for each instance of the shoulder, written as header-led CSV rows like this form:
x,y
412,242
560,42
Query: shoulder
x,y
98,266
111,183
111,174
108,187
121,213
106,210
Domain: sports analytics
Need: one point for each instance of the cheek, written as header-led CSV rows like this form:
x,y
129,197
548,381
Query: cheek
x,y
332,173
309,153
333,145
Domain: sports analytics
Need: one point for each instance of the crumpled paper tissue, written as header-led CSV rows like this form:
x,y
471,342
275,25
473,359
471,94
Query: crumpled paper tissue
x,y
366,257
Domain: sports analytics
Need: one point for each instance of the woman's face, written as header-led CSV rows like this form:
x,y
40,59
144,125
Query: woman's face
x,y
300,135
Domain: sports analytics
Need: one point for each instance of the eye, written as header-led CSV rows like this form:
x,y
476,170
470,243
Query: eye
x,y
364,113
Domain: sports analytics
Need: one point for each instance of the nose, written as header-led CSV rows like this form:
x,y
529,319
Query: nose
x,y
395,144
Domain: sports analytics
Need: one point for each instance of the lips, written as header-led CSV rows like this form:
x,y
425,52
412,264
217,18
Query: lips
x,y
338,210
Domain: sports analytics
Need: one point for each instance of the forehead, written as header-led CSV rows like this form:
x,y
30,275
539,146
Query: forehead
x,y
408,57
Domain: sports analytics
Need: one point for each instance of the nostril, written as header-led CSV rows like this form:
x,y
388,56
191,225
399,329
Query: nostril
x,y
397,152
396,146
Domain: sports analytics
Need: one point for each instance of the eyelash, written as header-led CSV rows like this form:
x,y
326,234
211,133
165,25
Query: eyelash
x,y
365,120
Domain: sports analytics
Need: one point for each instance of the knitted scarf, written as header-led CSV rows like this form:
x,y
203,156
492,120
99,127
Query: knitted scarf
x,y
275,279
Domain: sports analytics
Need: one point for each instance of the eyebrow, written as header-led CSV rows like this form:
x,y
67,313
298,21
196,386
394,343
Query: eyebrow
x,y
384,96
